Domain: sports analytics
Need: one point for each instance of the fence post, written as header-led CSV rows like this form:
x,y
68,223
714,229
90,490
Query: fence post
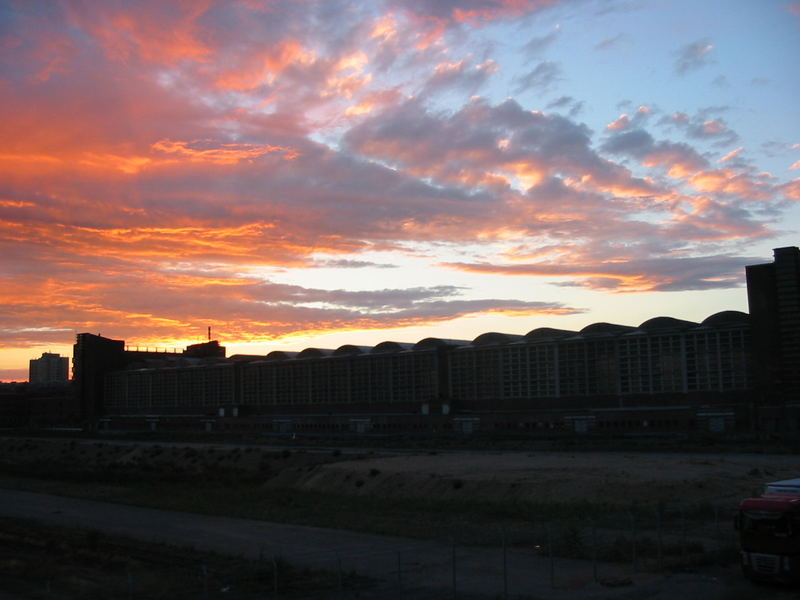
x,y
633,542
505,567
455,590
683,534
275,575
552,560
399,570
594,550
660,548
339,569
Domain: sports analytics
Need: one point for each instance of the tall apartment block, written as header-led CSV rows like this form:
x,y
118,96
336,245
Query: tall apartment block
x,y
50,368
773,295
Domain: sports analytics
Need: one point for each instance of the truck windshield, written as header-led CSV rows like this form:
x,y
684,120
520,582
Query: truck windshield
x,y
770,523
783,490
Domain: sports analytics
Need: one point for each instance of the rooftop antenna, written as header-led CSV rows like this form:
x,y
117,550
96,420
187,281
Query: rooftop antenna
x,y
209,333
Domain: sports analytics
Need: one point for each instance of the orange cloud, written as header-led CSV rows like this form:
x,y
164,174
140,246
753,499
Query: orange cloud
x,y
727,181
219,154
731,155
385,28
622,122
266,68
158,34
374,100
791,189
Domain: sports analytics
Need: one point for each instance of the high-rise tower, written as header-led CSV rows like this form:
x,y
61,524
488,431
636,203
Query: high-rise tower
x,y
773,294
50,368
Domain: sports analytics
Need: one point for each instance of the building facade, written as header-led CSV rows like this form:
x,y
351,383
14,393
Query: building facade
x,y
50,368
547,378
773,295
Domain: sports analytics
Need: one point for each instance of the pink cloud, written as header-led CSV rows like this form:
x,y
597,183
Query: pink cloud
x,y
701,126
163,156
731,155
730,182
623,122
791,189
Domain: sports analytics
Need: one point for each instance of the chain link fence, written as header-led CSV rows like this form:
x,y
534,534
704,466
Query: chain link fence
x,y
568,552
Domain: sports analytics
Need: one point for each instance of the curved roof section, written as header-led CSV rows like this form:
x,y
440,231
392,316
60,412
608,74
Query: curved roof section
x,y
348,349
387,347
281,355
492,338
246,357
314,353
547,333
431,343
659,323
606,329
727,318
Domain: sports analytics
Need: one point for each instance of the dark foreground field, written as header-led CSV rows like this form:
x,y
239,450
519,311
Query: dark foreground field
x,y
647,513
48,562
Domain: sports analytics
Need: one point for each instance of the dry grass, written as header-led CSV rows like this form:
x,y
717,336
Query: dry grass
x,y
48,562
471,497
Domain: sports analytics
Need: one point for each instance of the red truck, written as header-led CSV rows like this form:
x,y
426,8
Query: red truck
x,y
769,533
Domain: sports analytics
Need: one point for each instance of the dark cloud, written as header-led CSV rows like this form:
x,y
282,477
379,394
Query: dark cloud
x,y
538,44
639,144
656,274
542,77
610,43
353,264
694,56
463,76
253,309
573,105
705,124
458,10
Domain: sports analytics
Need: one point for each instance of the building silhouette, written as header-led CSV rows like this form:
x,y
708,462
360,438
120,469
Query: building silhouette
x,y
773,295
732,371
94,357
50,368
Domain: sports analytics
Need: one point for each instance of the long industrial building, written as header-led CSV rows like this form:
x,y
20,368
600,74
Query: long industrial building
x,y
667,374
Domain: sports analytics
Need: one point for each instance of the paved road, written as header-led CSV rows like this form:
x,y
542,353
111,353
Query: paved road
x,y
401,563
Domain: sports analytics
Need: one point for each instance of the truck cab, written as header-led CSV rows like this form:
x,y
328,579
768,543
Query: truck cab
x,y
769,533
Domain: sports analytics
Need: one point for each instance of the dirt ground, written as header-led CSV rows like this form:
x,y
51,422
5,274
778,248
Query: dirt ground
x,y
610,478
575,478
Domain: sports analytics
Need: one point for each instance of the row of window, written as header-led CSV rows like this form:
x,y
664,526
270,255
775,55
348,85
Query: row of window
x,y
692,362
708,361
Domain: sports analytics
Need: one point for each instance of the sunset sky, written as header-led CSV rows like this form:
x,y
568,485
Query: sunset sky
x,y
315,173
